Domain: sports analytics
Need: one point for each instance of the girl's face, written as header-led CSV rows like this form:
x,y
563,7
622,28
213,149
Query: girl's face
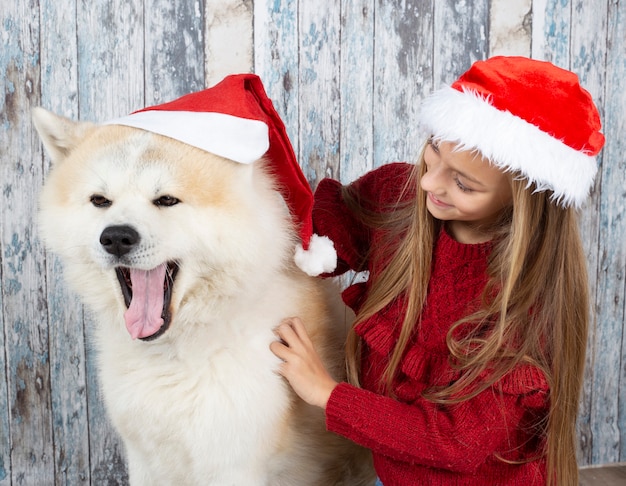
x,y
465,190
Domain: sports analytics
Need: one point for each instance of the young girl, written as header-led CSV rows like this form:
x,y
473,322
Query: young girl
x,y
466,358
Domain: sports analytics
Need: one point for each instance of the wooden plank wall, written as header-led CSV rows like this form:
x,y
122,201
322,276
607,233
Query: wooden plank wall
x,y
347,76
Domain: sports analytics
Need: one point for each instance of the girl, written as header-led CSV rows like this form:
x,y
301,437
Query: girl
x,y
466,358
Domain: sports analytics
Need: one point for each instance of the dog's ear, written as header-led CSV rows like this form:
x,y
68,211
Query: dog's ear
x,y
59,135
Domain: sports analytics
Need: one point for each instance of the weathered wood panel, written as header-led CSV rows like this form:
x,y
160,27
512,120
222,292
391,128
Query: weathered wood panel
x,y
347,77
276,58
23,290
356,130
228,38
461,37
403,33
510,27
608,410
319,99
68,374
173,54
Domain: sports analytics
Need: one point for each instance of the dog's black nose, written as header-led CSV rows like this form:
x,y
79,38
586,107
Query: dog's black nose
x,y
119,240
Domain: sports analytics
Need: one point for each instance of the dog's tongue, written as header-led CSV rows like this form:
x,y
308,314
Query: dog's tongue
x,y
143,316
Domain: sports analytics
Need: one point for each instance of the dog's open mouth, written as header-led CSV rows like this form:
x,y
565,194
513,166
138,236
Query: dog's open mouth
x,y
147,294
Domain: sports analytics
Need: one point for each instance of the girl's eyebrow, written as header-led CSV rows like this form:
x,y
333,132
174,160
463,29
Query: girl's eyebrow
x,y
465,175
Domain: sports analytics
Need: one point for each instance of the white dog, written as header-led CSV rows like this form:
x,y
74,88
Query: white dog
x,y
185,259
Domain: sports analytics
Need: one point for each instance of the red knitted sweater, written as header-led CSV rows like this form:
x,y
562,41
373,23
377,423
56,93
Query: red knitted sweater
x,y
414,441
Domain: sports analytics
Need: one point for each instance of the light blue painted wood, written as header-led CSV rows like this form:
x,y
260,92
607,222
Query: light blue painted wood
x,y
616,120
460,38
556,38
68,380
356,130
174,49
276,57
319,91
27,377
5,430
403,46
110,38
608,410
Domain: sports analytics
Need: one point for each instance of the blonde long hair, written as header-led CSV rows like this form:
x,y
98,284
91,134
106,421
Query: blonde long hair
x,y
534,306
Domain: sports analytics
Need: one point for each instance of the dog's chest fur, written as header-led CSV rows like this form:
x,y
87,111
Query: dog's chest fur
x,y
197,406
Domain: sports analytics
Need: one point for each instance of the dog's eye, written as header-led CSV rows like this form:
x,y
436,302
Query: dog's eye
x,y
100,201
166,201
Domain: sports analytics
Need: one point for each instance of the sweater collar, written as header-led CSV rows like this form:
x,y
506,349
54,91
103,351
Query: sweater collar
x,y
446,244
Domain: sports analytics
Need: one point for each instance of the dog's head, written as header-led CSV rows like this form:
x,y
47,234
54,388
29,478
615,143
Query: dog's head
x,y
140,220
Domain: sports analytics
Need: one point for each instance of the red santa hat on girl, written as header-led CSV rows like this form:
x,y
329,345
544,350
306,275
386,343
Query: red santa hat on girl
x,y
235,119
525,116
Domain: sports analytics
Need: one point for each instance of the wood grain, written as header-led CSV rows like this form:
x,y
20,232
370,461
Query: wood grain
x,y
68,373
608,411
26,389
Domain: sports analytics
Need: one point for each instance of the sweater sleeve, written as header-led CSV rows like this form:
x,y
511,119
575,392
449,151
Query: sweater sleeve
x,y
456,437
376,191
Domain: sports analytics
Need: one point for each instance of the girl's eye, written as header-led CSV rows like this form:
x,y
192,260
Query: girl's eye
x,y
434,144
461,186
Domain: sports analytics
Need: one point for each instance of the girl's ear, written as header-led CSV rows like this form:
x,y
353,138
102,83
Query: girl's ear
x,y
59,135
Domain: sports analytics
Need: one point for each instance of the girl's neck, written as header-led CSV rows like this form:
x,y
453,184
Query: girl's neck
x,y
467,233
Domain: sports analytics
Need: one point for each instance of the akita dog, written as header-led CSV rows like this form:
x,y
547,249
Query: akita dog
x,y
185,259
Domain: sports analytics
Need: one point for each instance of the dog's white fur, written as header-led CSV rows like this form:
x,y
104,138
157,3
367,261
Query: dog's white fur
x,y
202,403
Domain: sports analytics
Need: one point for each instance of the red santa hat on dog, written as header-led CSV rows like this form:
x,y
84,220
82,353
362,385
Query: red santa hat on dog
x,y
235,119
525,116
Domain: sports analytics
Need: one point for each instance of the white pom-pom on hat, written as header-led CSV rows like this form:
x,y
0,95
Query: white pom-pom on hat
x,y
321,256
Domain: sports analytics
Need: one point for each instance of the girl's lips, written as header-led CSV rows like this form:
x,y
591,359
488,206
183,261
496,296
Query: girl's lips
x,y
437,202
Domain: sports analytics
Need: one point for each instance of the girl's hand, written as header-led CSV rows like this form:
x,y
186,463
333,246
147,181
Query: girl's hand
x,y
302,366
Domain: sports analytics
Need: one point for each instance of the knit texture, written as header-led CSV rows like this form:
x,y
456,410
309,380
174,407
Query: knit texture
x,y
413,441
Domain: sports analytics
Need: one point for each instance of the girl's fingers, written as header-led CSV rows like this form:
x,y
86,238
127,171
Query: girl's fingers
x,y
302,366
290,344
295,344
293,330
287,333
280,350
298,326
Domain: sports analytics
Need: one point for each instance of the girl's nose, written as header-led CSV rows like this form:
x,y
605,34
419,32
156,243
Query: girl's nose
x,y
432,180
